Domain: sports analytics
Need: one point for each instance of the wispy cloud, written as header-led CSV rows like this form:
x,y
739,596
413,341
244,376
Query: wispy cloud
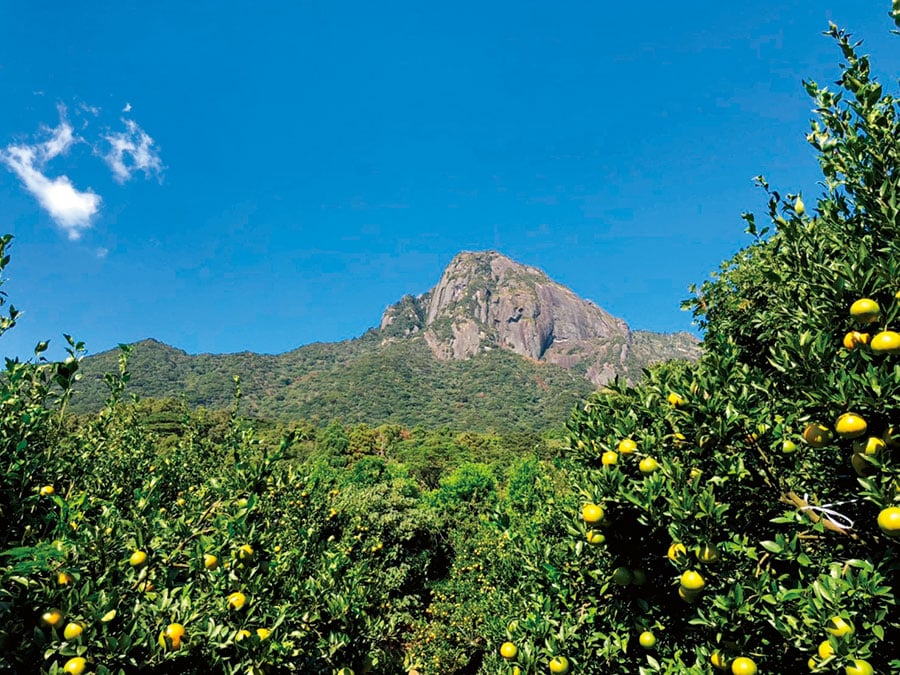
x,y
70,208
132,150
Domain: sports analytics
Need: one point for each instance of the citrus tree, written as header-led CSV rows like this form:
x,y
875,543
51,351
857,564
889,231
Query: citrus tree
x,y
743,513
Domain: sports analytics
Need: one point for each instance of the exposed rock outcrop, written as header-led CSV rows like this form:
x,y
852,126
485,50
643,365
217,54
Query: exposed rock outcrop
x,y
484,300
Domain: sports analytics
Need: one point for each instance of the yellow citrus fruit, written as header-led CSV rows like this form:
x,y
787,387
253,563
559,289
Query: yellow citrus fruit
x,y
75,665
596,538
839,626
692,581
871,446
648,465
210,561
592,513
241,634
609,458
886,342
799,207
263,633
647,640
676,551
708,553
718,660
743,666
237,600
626,446
811,664
825,650
52,618
72,630
859,667
817,435
137,559
850,425
64,579
509,651
889,521
245,553
854,339
47,490
865,310
621,576
174,633
109,616
559,665
675,399
788,446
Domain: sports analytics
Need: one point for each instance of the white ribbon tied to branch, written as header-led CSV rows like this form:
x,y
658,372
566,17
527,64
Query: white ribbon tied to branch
x,y
827,512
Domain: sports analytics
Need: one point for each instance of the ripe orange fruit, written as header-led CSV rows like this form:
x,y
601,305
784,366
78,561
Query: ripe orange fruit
x,y
675,399
52,618
72,630
692,581
889,521
559,665
817,435
865,310
137,559
592,513
859,667
743,666
871,446
850,425
839,627
647,640
854,339
648,465
237,600
509,651
173,634
886,342
626,446
676,551
75,665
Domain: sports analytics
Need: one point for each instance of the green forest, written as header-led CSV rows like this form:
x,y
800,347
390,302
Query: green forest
x,y
737,514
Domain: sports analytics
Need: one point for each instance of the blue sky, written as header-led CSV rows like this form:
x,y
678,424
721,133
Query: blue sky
x,y
224,177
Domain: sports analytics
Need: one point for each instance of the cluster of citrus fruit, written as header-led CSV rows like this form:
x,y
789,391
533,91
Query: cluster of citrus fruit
x,y
839,627
627,446
851,426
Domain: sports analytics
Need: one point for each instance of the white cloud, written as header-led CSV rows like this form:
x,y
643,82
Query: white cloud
x,y
70,208
127,107
132,150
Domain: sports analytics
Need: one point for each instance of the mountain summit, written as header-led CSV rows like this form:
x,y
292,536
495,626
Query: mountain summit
x,y
485,300
495,345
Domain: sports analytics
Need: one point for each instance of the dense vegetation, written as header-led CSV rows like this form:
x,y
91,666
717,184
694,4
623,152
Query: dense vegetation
x,y
741,513
357,381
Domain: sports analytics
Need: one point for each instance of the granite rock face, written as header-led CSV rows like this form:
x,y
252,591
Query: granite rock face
x,y
485,300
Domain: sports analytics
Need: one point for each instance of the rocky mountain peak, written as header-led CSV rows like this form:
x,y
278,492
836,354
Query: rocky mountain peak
x,y
485,300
